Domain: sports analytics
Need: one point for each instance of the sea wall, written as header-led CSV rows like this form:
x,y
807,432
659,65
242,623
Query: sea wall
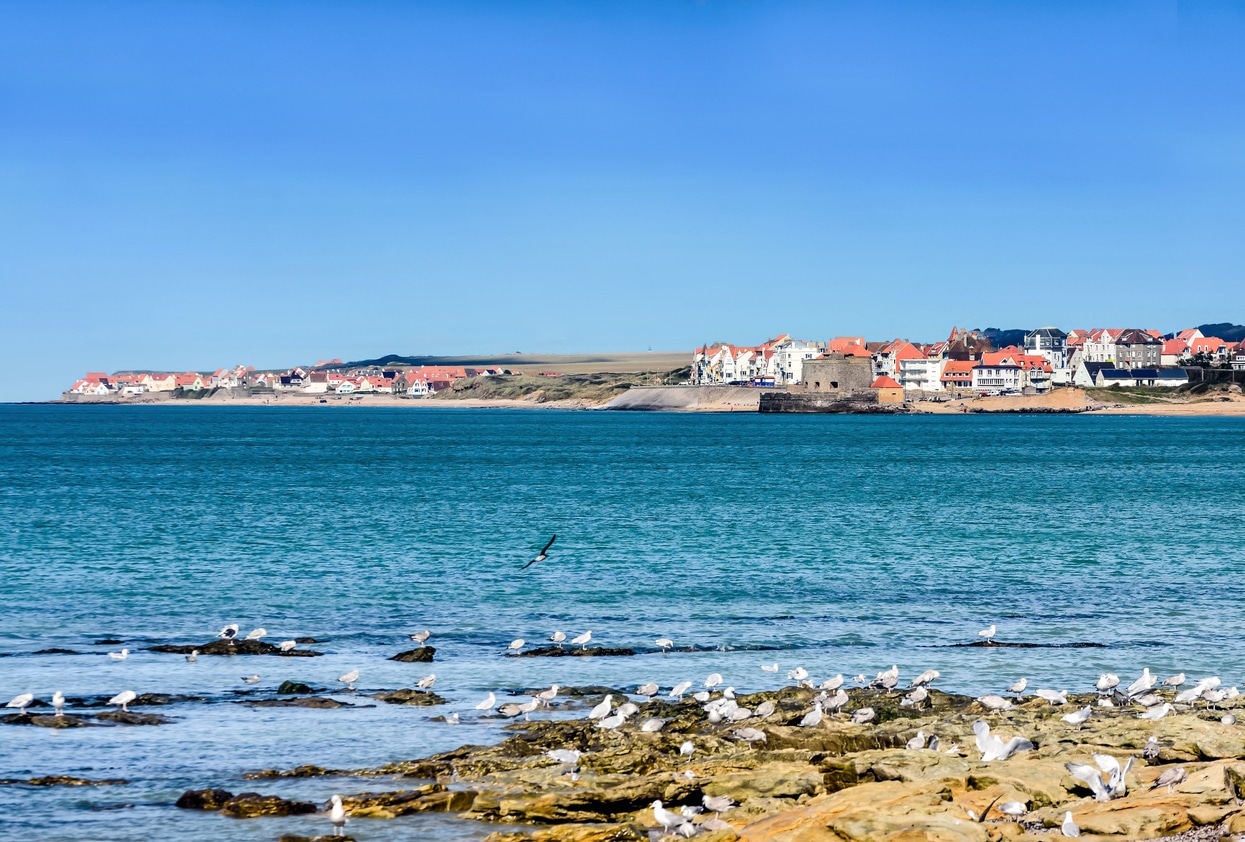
x,y
653,398
862,402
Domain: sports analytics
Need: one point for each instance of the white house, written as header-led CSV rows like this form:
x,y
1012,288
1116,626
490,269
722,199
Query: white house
x,y
1002,378
921,373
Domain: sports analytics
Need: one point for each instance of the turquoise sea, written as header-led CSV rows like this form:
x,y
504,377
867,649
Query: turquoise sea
x,y
839,543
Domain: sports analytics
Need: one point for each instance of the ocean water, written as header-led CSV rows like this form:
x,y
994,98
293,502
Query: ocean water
x,y
840,543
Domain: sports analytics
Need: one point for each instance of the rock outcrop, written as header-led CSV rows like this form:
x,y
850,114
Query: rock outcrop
x,y
422,655
234,647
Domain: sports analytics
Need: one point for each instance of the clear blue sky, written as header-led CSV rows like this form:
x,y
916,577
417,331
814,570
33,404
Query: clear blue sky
x,y
191,185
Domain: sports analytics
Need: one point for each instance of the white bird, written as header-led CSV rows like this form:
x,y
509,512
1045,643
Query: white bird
x,y
1055,697
427,681
1152,747
832,683
1141,685
516,644
1015,809
20,702
1157,713
993,748
917,696
1214,697
1105,702
1175,681
652,726
565,756
349,679
798,674
488,702
837,701
229,632
1148,700
992,702
770,667
664,643
609,723
119,656
1107,682
251,679
193,656
717,804
1227,719
916,742
529,707
1170,778
988,633
925,678
1069,827
1089,775
337,816
583,640
764,709
547,696
1194,692
603,708
863,715
813,718
421,637
713,680
665,818
702,696
558,638
1117,785
647,690
1078,717
257,634
510,710
687,749
287,645
1018,688
750,735
627,709
453,719
679,689
58,703
123,698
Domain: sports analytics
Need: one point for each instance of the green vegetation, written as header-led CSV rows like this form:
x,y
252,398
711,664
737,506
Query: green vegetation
x,y
1132,394
594,388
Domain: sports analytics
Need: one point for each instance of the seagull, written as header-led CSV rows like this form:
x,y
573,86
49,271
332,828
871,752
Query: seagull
x,y
1148,700
349,679
510,710
1117,784
702,696
583,640
516,644
832,683
565,756
664,643
1055,697
687,749
679,689
717,804
542,555
1151,750
993,748
1018,688
453,719
603,708
1227,719
193,656
713,680
119,656
924,678
838,700
609,723
58,703
665,818
1170,778
626,708
916,742
1015,809
337,815
764,709
813,718
1174,681
558,638
770,667
1107,682
20,702
421,637
1089,776
988,633
427,681
1141,685
229,632
863,715
1069,827
647,690
251,679
993,702
1157,713
123,698
750,735
934,743
917,696
652,726
287,645
798,674
1078,717
257,634
546,696
527,708
488,702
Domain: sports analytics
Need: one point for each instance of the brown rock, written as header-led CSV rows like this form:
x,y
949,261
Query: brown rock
x,y
204,799
408,696
433,798
423,655
65,780
249,805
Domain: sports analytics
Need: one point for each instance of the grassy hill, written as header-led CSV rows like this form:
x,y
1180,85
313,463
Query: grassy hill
x,y
592,388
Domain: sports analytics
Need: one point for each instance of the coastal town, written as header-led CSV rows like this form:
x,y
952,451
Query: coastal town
x,y
967,364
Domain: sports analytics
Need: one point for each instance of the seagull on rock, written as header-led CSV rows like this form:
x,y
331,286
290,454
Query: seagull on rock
x,y
257,634
993,748
1174,681
516,644
542,555
1157,713
287,645
349,679
558,638
987,634
713,680
665,644
123,698
863,715
1018,688
832,683
421,637
924,679
813,718
603,708
583,640
58,703
647,690
1069,828
1079,717
20,702
679,689
427,681
228,632
665,818
337,816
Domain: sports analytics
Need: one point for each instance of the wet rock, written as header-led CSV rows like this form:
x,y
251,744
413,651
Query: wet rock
x,y
408,696
289,688
203,799
323,702
306,771
66,780
582,833
156,699
305,640
433,798
108,641
293,837
122,717
249,805
55,651
423,655
234,647
46,720
571,652
997,644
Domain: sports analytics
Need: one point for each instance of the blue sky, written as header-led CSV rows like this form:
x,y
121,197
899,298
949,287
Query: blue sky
x,y
191,185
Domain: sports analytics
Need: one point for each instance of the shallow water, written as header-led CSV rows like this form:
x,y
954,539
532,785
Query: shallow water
x,y
843,544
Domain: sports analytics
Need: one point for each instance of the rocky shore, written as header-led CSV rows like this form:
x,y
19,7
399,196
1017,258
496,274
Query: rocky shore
x,y
838,780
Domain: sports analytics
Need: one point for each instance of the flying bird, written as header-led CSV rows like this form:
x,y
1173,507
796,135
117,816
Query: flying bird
x,y
542,555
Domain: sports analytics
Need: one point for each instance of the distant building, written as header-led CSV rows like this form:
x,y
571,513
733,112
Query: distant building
x,y
1000,378
1138,349
958,374
838,373
922,373
887,389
